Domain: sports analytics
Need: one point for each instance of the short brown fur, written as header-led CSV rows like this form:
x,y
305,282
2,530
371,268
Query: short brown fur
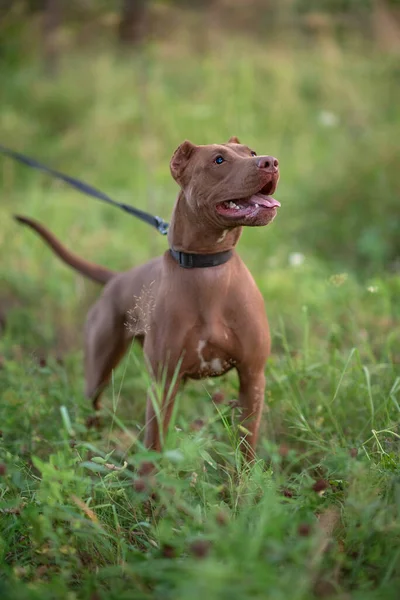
x,y
192,323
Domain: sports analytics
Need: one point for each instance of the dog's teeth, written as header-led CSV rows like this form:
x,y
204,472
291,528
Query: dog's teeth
x,y
232,205
256,205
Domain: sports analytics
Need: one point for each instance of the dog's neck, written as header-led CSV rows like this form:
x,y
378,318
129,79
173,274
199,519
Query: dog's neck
x,y
190,232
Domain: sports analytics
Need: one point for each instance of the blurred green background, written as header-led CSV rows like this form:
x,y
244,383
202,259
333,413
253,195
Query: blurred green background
x,y
105,91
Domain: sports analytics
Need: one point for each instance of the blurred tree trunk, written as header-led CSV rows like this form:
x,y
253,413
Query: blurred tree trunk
x,y
51,24
386,26
5,5
132,25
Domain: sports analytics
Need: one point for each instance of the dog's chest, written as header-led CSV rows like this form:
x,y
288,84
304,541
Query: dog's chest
x,y
208,359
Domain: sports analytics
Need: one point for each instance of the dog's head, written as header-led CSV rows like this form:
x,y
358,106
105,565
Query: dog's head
x,y
227,183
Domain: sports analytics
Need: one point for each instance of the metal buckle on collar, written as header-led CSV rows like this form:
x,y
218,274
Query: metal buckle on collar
x,y
186,260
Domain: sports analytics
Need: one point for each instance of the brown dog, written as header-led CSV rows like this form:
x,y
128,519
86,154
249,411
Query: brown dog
x,y
194,322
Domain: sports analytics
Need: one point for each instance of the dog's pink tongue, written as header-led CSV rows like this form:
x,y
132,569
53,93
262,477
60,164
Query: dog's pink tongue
x,y
266,201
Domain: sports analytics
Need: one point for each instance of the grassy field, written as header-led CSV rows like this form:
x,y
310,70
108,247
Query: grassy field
x,y
318,514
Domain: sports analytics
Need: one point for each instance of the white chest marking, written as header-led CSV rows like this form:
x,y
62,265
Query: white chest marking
x,y
216,365
200,347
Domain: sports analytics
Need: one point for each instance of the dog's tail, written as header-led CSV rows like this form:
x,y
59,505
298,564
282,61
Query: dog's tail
x,y
94,272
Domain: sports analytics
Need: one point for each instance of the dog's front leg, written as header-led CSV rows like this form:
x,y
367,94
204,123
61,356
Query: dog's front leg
x,y
159,412
251,399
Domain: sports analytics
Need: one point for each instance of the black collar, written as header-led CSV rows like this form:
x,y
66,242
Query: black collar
x,y
200,261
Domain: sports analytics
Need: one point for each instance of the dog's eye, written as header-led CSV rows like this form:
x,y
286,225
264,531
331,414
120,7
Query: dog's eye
x,y
253,153
219,160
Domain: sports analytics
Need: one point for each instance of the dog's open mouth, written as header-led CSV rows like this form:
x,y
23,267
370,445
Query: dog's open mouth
x,y
247,207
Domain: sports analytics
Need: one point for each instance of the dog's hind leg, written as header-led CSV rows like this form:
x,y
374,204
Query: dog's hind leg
x,y
106,341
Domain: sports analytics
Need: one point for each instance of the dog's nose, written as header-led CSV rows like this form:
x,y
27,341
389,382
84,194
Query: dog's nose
x,y
269,163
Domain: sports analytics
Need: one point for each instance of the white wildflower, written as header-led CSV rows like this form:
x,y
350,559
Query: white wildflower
x,y
296,259
328,119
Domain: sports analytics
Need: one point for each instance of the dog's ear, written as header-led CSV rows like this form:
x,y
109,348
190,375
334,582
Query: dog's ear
x,y
233,140
180,159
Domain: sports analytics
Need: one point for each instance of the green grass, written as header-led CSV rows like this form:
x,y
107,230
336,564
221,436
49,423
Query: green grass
x,y
318,514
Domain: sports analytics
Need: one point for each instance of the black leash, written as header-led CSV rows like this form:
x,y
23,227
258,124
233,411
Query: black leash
x,y
84,188
184,259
